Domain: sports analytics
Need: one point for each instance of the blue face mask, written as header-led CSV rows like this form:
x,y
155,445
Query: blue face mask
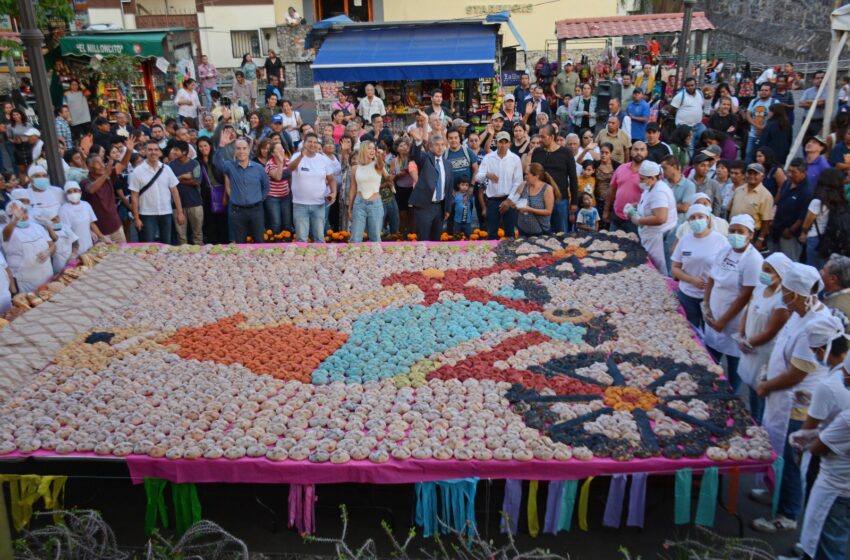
x,y
699,225
40,183
737,240
56,227
765,278
23,224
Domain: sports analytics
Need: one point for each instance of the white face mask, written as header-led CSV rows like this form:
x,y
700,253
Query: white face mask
x,y
74,197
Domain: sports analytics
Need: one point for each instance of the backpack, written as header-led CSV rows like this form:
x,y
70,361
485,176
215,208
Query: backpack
x,y
836,238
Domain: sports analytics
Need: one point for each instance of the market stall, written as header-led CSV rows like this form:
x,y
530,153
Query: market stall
x,y
154,52
410,60
554,359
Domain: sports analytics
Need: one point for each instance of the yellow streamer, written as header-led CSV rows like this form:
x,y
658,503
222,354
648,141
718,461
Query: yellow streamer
x,y
25,490
533,521
583,497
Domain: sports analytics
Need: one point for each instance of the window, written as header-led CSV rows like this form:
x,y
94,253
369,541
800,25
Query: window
x,y
242,42
358,10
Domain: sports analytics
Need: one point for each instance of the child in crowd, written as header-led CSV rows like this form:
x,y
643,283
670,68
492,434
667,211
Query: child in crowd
x,y
587,218
587,179
461,208
727,189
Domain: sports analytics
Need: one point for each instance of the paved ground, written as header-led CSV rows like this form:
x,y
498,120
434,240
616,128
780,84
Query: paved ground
x,y
236,509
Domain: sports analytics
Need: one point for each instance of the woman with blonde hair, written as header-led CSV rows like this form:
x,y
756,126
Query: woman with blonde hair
x,y
365,208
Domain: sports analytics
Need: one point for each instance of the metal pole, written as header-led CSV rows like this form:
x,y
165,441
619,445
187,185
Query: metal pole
x,y
683,42
829,108
33,39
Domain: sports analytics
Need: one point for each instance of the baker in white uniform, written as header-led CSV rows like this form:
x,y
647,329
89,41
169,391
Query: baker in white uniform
x,y
67,242
655,214
43,195
731,282
28,248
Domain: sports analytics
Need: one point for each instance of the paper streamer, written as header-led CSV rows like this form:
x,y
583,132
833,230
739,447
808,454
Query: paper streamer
x,y
734,486
510,506
458,505
155,508
614,504
553,507
26,489
637,501
568,504
582,503
707,503
426,508
778,466
533,521
187,506
682,511
302,512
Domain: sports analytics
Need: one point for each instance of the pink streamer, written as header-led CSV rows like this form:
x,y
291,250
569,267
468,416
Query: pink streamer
x,y
302,508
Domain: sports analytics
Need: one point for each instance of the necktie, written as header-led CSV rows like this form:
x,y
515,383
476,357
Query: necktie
x,y
439,189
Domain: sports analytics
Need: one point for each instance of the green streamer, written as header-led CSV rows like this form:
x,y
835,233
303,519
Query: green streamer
x,y
568,504
187,506
778,466
155,504
682,510
707,503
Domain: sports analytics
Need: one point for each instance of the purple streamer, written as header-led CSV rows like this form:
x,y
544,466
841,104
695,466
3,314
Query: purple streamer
x,y
637,500
553,507
614,505
511,505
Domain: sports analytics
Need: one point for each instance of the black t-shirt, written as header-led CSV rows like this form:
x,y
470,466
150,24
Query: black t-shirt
x,y
189,196
657,152
561,165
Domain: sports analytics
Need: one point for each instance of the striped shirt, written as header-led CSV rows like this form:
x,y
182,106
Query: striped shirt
x,y
277,189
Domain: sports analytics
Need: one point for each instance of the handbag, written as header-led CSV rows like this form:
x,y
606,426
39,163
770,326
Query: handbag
x,y
217,205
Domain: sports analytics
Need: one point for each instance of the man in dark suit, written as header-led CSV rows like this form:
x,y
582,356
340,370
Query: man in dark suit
x,y
434,188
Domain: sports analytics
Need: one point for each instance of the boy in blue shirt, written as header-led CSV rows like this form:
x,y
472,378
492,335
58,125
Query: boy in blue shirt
x,y
587,218
461,208
638,112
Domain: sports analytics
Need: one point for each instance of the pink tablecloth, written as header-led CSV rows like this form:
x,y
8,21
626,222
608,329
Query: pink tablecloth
x,y
261,470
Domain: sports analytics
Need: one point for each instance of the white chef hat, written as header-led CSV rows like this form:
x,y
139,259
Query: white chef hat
x,y
743,220
72,185
20,194
35,168
801,278
823,331
780,263
699,196
12,204
698,209
649,169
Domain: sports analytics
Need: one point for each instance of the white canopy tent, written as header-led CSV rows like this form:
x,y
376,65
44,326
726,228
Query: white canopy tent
x,y
840,27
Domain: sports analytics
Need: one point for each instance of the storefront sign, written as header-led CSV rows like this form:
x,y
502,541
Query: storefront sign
x,y
486,9
511,77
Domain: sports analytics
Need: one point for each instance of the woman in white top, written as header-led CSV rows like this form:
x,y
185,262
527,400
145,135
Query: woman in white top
x,y
792,374
79,216
733,277
188,104
28,248
655,214
291,122
692,260
831,397
763,318
365,209
829,194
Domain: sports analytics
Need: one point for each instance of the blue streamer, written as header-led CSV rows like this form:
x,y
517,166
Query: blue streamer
x,y
778,467
426,508
458,505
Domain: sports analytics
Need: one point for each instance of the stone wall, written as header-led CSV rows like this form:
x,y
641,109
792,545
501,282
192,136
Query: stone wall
x,y
771,31
290,40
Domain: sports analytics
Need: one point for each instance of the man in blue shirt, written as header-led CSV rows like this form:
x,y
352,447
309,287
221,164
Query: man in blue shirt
x,y
246,184
523,91
840,151
638,112
792,203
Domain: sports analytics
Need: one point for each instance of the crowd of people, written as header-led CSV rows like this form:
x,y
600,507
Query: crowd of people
x,y
759,249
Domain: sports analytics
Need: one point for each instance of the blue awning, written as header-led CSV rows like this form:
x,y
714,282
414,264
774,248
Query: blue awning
x,y
433,52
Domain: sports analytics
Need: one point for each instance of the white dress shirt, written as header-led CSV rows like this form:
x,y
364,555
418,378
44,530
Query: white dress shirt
x,y
509,171
442,170
156,201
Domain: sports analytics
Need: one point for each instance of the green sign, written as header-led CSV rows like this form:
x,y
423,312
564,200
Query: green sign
x,y
143,45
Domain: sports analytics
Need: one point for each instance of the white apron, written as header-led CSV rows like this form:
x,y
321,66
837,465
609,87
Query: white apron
x,y
817,510
31,274
778,404
652,238
758,315
727,287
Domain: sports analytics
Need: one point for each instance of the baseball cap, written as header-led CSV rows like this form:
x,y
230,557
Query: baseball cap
x,y
819,138
568,62
499,116
700,157
757,167
652,126
502,136
459,123
712,151
277,119
509,97
638,90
